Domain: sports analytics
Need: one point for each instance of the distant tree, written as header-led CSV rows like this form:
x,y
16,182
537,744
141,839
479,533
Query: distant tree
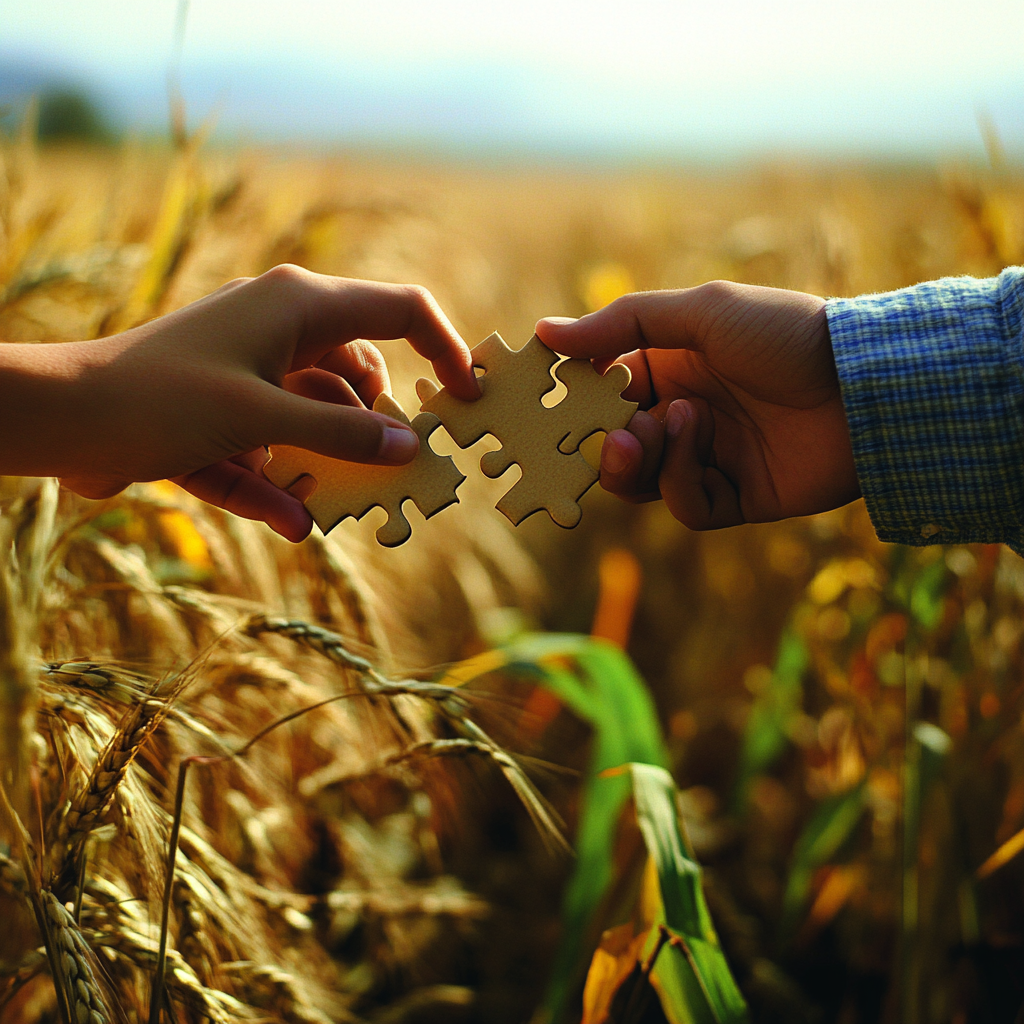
x,y
71,115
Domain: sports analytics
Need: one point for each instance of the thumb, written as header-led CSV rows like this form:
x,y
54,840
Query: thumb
x,y
337,431
640,320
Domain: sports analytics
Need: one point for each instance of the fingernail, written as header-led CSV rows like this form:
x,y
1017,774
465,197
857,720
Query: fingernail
x,y
675,419
399,445
613,459
559,321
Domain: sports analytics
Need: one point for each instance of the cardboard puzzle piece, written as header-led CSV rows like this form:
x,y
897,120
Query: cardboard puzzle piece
x,y
353,488
591,396
543,442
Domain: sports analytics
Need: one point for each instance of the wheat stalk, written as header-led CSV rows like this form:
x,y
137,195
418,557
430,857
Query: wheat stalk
x,y
447,699
114,684
12,877
437,899
276,991
193,932
116,925
95,796
81,988
334,566
135,949
335,648
26,533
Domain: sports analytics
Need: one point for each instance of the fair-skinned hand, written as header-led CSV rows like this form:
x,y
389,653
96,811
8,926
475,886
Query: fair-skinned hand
x,y
196,395
741,418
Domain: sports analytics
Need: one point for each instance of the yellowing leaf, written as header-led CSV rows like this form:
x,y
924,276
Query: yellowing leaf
x,y
184,539
614,961
840,883
679,953
620,578
165,242
1003,855
839,574
472,668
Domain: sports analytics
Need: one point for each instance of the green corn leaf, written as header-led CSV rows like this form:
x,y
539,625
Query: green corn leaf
x,y
690,972
830,826
927,594
767,731
598,682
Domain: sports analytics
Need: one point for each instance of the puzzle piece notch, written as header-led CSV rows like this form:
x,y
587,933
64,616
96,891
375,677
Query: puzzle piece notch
x,y
588,392
533,491
353,488
510,380
542,441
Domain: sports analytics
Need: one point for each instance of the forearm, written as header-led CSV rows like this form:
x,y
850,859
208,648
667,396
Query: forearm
x,y
932,380
45,411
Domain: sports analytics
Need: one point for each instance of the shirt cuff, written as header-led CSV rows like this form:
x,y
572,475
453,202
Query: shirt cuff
x,y
932,380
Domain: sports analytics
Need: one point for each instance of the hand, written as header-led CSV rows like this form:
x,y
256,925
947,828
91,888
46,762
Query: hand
x,y
196,395
742,418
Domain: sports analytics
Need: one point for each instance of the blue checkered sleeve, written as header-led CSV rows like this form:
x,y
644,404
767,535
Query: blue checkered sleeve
x,y
932,379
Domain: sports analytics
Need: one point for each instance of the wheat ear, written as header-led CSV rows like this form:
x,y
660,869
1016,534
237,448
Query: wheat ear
x,y
447,699
92,801
85,999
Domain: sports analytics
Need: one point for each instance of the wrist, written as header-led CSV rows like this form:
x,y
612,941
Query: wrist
x,y
47,415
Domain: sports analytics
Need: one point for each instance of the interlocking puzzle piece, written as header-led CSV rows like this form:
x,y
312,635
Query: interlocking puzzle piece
x,y
353,488
542,441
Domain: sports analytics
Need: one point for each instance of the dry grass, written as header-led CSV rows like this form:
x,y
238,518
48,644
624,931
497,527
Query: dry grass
x,y
317,878
178,670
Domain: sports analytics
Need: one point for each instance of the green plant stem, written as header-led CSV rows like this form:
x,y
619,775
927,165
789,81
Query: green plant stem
x,y
909,965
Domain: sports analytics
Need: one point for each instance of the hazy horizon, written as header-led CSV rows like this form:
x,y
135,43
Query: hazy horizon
x,y
904,79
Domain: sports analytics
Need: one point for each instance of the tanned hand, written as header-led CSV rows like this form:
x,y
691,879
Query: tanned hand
x,y
741,418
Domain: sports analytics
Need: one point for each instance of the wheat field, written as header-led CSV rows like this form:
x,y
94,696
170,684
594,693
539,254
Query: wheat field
x,y
843,718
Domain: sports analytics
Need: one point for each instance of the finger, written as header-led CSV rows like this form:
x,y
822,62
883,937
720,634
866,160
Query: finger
x,y
229,286
696,492
302,488
322,386
640,388
363,366
641,320
333,311
244,493
641,383
337,431
94,488
622,459
254,460
631,458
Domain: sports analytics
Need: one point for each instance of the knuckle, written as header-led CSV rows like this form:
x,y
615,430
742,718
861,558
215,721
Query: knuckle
x,y
286,275
687,516
623,304
630,298
718,292
421,299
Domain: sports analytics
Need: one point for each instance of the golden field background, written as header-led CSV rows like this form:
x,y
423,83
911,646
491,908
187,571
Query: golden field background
x,y
844,717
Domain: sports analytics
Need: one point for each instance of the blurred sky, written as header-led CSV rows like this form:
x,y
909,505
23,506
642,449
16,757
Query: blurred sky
x,y
644,77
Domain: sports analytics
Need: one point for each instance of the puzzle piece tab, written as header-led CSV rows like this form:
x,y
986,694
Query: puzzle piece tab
x,y
353,488
542,441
